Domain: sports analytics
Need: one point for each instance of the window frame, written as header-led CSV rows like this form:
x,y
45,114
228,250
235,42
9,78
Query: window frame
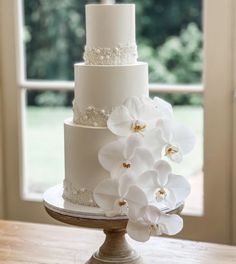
x,y
1,158
217,73
233,180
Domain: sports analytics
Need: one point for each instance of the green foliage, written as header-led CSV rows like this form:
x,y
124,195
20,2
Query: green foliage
x,y
181,99
156,20
179,59
54,37
50,98
168,35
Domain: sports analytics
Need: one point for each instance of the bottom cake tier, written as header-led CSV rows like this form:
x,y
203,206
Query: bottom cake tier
x,y
82,169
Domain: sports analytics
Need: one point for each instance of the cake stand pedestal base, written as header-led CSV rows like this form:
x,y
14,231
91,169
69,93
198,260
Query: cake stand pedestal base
x,y
115,249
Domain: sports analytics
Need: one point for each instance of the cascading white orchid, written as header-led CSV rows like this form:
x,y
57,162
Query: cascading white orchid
x,y
147,220
163,108
178,139
126,155
133,116
110,195
162,187
141,183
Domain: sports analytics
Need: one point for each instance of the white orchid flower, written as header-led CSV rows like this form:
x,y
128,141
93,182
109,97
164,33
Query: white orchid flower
x,y
162,187
125,156
152,222
134,116
178,139
147,220
154,142
165,109
110,195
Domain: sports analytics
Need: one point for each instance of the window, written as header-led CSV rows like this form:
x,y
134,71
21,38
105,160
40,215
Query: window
x,y
40,98
174,54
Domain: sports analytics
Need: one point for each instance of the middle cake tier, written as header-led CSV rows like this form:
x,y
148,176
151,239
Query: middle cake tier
x,y
98,89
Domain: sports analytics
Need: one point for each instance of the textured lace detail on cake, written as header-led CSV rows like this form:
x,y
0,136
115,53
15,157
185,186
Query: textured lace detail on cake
x,y
90,116
80,196
119,55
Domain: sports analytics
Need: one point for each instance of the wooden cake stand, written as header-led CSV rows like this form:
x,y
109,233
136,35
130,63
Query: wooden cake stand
x,y
115,249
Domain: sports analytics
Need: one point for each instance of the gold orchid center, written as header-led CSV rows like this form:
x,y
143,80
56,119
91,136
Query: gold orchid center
x,y
161,193
122,203
152,228
138,127
171,150
126,165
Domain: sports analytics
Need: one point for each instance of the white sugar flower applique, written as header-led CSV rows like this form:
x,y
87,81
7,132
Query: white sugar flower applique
x,y
170,139
141,183
125,156
179,139
164,108
110,195
162,187
134,116
147,220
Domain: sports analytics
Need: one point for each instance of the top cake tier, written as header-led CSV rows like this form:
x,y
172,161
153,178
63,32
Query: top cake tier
x,y
110,34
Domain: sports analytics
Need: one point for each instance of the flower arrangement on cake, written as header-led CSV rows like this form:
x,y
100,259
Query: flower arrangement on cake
x,y
141,183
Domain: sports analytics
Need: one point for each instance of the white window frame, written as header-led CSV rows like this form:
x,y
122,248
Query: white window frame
x,y
217,224
1,160
233,179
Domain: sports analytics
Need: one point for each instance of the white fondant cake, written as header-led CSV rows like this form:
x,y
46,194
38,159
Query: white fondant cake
x,y
109,75
110,34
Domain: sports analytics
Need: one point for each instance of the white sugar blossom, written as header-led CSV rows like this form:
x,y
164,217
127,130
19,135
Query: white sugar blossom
x,y
164,108
142,183
170,138
125,156
110,195
147,220
162,187
134,116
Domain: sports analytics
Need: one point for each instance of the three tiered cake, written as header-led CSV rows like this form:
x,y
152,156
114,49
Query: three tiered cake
x,y
120,143
109,75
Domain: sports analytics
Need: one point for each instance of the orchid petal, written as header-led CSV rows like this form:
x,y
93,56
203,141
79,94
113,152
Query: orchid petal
x,y
163,107
170,224
136,200
133,104
146,179
150,214
179,186
132,142
183,137
163,169
120,121
142,160
176,157
154,142
170,200
148,114
110,155
124,183
166,127
147,182
106,193
138,231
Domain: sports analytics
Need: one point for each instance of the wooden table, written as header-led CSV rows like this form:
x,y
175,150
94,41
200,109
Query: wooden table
x,y
44,244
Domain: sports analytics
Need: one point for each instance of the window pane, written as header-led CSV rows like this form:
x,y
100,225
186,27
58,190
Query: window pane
x,y
54,37
188,110
169,37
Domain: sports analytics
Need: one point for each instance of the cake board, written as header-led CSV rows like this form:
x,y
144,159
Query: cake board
x,y
115,248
